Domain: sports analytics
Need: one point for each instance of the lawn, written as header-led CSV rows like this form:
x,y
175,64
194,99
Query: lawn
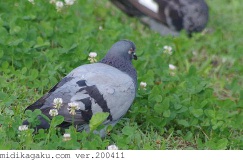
x,y
197,105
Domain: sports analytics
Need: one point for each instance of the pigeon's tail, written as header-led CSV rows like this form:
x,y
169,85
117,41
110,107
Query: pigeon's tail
x,y
137,9
43,123
127,7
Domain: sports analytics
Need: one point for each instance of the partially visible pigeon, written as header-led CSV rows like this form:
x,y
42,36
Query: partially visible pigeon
x,y
107,86
168,16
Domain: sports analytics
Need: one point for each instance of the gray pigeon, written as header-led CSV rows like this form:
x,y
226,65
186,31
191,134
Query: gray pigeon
x,y
168,16
106,86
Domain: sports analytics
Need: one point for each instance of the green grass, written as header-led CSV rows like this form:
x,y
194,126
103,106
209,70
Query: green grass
x,y
200,107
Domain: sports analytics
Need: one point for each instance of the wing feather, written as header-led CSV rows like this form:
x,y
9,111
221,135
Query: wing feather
x,y
105,90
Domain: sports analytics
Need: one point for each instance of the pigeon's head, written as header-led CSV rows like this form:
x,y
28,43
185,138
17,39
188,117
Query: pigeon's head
x,y
195,16
123,49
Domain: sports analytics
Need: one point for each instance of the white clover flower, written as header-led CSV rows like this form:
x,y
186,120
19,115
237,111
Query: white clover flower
x,y
73,106
168,50
23,127
59,5
100,28
112,147
66,137
57,102
143,85
32,1
53,112
172,67
92,56
69,2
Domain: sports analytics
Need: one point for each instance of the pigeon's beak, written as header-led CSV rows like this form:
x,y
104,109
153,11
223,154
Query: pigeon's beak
x,y
135,56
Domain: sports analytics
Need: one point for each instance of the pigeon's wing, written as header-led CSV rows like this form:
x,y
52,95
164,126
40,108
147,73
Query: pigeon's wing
x,y
95,88
160,15
165,11
170,13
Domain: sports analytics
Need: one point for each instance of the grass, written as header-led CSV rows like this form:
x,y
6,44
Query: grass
x,y
198,106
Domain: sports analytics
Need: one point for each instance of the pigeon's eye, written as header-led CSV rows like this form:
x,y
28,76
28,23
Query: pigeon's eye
x,y
130,51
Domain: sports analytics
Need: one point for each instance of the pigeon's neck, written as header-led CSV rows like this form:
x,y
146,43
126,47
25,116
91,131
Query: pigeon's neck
x,y
123,65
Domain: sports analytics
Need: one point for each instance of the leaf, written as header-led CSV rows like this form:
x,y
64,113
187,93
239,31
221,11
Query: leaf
x,y
217,144
162,107
183,122
192,71
28,113
155,95
29,17
33,116
75,45
189,136
24,70
200,143
149,77
177,106
56,120
15,29
218,125
36,112
182,110
203,103
158,108
5,65
166,103
166,113
210,113
34,74
97,119
41,43
3,95
158,98
109,128
127,130
15,42
222,143
44,44
8,112
196,112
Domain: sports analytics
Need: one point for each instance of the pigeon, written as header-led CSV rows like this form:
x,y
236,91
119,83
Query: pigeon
x,y
106,86
168,16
